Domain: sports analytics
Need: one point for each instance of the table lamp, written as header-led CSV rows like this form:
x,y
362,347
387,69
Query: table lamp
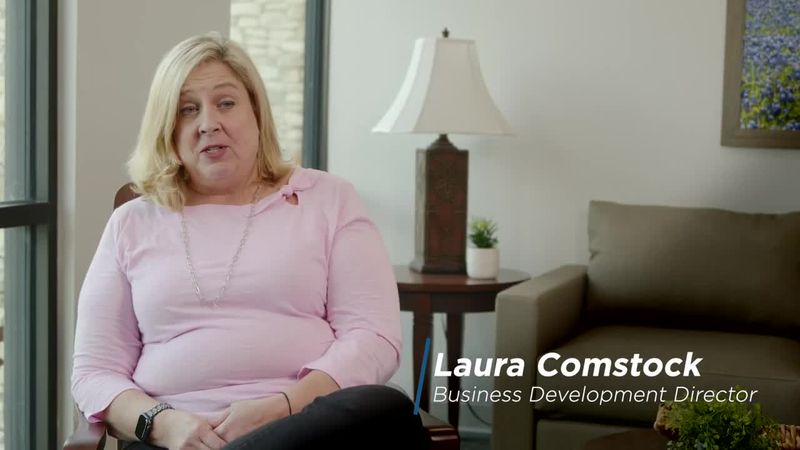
x,y
443,92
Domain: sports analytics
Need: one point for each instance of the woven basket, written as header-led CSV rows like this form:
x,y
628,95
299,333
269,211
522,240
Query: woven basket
x,y
790,434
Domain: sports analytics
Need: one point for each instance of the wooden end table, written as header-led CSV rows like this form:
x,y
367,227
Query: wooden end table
x,y
633,440
453,294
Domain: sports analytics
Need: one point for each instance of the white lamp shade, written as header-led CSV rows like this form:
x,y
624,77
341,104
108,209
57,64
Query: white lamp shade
x,y
443,92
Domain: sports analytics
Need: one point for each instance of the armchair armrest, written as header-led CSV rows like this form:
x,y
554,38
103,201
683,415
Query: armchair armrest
x,y
442,435
532,317
87,436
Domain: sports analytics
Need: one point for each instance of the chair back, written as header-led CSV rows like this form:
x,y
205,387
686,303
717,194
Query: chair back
x,y
692,267
124,194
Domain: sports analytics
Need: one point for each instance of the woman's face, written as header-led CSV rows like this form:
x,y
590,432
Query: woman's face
x,y
216,131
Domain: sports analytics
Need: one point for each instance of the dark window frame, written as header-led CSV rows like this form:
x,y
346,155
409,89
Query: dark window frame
x,y
315,91
31,227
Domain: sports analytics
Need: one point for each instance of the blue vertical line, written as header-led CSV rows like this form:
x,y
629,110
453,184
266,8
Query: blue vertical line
x,y
422,374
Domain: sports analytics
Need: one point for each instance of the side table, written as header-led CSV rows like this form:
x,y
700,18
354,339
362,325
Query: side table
x,y
453,294
635,440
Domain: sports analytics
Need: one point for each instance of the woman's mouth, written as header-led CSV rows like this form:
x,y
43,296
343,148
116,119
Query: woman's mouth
x,y
215,151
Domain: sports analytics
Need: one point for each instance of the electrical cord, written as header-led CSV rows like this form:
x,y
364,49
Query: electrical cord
x,y
476,416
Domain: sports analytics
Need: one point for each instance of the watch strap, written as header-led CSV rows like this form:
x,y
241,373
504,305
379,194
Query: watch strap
x,y
152,412
145,425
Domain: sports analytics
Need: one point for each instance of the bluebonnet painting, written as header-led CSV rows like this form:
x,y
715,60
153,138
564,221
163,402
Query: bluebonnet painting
x,y
770,86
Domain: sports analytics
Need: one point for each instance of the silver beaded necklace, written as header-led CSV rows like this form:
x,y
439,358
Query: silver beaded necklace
x,y
185,235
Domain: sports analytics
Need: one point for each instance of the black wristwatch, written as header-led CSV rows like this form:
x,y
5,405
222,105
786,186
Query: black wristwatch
x,y
145,424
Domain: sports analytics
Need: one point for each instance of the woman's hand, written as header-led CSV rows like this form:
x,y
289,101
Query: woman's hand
x,y
181,430
245,416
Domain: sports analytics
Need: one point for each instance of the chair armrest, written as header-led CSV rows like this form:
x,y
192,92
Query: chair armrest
x,y
87,436
442,435
532,317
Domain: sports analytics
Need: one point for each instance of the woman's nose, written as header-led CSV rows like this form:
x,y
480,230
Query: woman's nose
x,y
209,122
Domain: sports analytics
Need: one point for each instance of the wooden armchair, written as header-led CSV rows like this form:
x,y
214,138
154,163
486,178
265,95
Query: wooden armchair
x,y
92,436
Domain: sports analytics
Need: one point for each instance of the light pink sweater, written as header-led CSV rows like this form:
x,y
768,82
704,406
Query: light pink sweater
x,y
313,289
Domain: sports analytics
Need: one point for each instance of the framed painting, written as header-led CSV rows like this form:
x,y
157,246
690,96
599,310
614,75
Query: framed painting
x,y
761,88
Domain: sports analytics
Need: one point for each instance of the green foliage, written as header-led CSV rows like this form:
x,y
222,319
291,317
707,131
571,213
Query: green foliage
x,y
721,426
482,233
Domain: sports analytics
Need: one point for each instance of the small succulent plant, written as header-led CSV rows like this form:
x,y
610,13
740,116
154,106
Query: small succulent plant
x,y
482,233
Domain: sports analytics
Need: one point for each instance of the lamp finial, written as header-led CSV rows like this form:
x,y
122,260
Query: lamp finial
x,y
446,33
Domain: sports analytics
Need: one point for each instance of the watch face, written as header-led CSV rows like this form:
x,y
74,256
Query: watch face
x,y
142,428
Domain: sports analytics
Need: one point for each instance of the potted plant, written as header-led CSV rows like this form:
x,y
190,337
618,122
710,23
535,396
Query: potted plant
x,y
722,425
483,258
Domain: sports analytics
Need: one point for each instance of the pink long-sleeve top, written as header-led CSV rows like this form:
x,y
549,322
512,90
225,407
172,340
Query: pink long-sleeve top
x,y
313,289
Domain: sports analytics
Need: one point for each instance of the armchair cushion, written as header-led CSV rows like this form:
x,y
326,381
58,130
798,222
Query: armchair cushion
x,y
666,265
769,364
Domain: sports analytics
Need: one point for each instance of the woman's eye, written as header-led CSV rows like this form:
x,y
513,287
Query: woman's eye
x,y
227,104
188,110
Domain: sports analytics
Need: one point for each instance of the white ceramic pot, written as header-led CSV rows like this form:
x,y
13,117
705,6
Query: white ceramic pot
x,y
483,263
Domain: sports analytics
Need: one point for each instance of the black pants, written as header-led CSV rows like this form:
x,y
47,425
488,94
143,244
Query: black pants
x,y
361,417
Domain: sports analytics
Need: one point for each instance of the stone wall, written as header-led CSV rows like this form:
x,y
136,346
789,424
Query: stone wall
x,y
273,33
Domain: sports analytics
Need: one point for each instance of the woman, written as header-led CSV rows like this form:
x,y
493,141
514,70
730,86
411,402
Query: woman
x,y
237,289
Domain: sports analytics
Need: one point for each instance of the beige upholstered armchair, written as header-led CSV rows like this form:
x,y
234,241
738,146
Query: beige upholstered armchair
x,y
660,282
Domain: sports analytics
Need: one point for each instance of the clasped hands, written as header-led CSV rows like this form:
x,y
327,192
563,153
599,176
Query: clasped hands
x,y
183,430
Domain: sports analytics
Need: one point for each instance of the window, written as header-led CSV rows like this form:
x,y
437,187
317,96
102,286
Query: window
x,y
287,41
27,223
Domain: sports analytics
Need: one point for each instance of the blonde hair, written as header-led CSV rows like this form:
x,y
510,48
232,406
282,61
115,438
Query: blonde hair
x,y
154,166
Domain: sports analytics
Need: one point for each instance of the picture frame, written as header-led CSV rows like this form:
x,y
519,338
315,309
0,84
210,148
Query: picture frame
x,y
756,128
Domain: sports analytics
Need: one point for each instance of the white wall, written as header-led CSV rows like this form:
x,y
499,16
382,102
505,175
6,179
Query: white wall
x,y
618,100
108,53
